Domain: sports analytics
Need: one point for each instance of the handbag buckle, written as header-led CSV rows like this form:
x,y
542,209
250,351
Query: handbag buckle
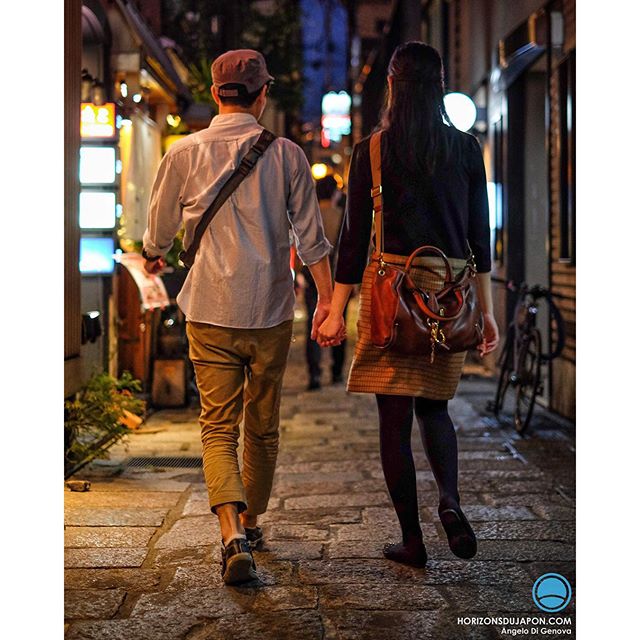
x,y
376,191
383,264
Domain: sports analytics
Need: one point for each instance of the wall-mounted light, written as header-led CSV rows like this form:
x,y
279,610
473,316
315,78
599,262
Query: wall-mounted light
x,y
98,94
461,109
124,89
137,97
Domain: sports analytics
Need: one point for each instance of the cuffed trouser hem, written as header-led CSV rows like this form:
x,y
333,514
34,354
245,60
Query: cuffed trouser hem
x,y
225,498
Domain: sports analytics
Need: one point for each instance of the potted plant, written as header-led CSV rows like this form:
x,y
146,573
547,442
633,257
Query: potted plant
x,y
101,413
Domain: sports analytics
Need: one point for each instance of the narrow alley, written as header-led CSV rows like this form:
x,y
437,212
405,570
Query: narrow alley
x,y
142,550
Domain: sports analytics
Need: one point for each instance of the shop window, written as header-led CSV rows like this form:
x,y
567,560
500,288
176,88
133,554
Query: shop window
x,y
567,77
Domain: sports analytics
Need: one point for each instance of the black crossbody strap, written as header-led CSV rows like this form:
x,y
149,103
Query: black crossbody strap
x,y
188,256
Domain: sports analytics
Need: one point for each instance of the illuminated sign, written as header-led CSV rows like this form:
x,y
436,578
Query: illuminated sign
x,y
336,117
96,255
97,209
97,121
97,165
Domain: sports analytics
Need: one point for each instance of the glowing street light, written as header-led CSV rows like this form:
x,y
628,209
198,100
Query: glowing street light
x,y
461,110
319,170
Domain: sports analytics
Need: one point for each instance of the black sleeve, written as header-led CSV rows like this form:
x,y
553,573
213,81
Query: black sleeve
x,y
355,235
479,231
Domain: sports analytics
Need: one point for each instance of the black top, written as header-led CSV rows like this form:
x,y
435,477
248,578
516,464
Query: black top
x,y
445,209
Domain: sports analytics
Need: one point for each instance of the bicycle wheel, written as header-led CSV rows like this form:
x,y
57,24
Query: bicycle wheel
x,y
506,367
528,380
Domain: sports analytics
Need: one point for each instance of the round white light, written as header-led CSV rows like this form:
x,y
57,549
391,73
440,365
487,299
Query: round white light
x,y
461,110
319,170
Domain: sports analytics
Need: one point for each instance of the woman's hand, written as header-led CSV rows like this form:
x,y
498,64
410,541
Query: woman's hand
x,y
332,331
491,335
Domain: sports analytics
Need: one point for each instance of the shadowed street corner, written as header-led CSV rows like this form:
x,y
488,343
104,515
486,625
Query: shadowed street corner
x,y
142,550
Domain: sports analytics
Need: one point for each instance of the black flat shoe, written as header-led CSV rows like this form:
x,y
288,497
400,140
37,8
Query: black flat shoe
x,y
462,539
400,553
254,537
238,565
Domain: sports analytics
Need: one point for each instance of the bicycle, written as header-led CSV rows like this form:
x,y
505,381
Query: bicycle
x,y
521,357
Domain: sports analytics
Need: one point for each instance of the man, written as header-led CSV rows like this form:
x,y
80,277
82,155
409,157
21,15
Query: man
x,y
238,297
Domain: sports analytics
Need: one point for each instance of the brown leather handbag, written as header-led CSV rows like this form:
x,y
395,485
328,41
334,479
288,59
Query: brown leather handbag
x,y
408,319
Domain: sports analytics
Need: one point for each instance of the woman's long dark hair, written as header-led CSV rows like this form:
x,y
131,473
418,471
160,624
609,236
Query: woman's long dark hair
x,y
415,113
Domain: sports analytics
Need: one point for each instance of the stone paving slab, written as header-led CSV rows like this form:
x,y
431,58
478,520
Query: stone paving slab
x,y
130,629
92,603
216,602
131,580
109,557
107,536
299,624
121,499
110,517
333,500
193,531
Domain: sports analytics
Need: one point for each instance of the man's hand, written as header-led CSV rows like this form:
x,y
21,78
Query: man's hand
x,y
491,335
154,266
320,315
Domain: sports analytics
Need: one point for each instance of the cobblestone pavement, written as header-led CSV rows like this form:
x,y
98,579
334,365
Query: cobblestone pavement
x,y
142,549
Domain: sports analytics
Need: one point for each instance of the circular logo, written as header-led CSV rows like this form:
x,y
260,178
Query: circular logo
x,y
551,592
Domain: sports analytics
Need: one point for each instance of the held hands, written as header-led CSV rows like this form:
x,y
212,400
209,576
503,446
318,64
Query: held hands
x,y
491,335
326,330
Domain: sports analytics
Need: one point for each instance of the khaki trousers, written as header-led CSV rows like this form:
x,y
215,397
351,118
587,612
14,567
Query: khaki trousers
x,y
239,371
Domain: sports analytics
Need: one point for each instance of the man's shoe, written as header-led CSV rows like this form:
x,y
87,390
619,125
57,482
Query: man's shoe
x,y
337,378
238,565
254,536
314,384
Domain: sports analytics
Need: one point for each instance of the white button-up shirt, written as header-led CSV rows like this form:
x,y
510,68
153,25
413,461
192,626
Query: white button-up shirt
x,y
241,276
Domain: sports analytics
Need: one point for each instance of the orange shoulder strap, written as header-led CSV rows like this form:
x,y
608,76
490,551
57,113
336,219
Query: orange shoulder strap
x,y
376,190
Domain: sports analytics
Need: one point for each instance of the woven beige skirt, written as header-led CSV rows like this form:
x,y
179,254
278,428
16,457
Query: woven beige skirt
x,y
375,370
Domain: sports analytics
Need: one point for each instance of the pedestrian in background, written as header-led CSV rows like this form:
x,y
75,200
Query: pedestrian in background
x,y
435,192
238,297
332,210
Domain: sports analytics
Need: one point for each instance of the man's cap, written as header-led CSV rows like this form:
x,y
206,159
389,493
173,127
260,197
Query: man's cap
x,y
240,68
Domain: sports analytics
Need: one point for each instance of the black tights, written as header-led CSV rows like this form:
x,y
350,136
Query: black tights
x,y
440,444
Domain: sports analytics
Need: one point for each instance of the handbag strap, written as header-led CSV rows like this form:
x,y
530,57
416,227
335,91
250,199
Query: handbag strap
x,y
244,168
375,157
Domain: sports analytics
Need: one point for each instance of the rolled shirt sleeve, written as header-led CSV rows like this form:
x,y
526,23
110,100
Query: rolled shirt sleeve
x,y
304,211
165,210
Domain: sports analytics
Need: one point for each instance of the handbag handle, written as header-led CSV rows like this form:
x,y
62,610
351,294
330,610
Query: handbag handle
x,y
427,248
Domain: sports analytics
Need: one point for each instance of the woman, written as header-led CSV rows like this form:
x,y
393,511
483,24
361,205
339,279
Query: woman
x,y
435,193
